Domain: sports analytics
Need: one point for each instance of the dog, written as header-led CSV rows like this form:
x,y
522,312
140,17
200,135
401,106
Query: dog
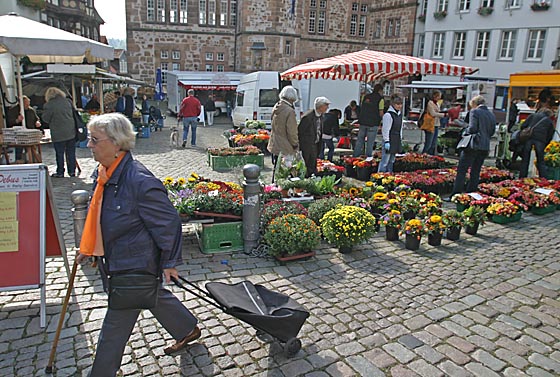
x,y
174,141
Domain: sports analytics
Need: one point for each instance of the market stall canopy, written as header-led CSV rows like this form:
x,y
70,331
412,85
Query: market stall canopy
x,y
370,65
209,80
535,79
42,43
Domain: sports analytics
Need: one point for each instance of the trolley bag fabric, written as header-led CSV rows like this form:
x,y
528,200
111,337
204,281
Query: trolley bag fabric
x,y
271,312
133,291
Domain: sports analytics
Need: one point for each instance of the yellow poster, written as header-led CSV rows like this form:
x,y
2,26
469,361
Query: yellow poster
x,y
8,236
8,206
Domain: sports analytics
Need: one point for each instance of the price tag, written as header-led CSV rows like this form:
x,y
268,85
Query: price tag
x,y
544,191
443,172
475,195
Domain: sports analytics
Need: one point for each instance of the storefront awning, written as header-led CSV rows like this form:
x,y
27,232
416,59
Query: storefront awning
x,y
187,85
535,79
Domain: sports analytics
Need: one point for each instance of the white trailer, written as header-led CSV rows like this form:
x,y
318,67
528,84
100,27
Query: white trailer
x,y
339,92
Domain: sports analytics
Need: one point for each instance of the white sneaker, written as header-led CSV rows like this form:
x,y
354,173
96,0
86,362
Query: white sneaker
x,y
369,159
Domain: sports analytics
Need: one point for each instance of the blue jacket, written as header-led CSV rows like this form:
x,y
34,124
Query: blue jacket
x,y
140,225
482,123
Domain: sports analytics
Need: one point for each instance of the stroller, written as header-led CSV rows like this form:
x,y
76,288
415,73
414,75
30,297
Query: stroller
x,y
155,119
267,311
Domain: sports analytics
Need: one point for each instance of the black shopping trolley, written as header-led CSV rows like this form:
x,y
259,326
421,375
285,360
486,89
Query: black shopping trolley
x,y
268,312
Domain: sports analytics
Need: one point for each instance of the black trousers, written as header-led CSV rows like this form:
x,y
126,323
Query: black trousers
x,y
474,160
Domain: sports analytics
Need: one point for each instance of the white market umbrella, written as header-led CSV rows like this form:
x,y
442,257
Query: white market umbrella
x,y
42,43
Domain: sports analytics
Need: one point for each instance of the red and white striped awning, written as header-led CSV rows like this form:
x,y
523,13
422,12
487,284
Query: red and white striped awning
x,y
369,65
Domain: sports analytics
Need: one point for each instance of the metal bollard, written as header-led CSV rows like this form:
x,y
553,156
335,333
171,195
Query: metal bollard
x,y
251,206
80,199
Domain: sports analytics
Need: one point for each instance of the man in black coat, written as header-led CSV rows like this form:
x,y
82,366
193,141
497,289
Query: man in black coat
x,y
543,131
310,131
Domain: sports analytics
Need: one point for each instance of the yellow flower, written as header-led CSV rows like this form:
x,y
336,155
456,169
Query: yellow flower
x,y
402,194
379,196
435,219
181,181
369,183
393,201
168,181
194,175
192,179
395,212
353,191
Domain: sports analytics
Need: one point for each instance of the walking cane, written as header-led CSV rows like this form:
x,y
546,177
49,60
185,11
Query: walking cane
x,y
49,368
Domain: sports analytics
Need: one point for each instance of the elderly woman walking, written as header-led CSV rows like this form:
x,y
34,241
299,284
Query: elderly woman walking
x,y
58,113
132,228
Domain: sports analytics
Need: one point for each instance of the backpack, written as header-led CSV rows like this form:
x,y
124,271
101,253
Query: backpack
x,y
420,121
120,105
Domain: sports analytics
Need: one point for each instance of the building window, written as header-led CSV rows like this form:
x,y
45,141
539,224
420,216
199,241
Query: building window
x,y
363,8
164,54
151,14
176,55
354,7
362,27
397,27
202,12
459,45
377,29
312,17
487,4
513,4
161,10
536,44
482,45
353,21
393,27
223,13
439,42
442,5
176,66
464,5
220,68
421,42
164,67
211,12
313,3
123,66
507,47
173,11
288,48
209,56
209,67
183,12
321,22
232,12
424,7
323,4
220,56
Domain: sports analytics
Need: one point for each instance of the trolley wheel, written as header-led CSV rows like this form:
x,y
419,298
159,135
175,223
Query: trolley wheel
x,y
292,347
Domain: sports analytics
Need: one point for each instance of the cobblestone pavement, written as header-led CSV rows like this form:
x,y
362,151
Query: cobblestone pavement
x,y
486,305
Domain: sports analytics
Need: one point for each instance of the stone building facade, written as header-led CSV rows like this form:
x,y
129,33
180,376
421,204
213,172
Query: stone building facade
x,y
252,35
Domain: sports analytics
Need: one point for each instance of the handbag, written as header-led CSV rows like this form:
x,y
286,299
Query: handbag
x,y
133,291
527,133
79,125
428,123
465,142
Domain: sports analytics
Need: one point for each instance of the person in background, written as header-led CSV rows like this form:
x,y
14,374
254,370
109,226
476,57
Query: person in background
x,y
228,108
131,227
543,132
15,117
129,104
93,104
482,125
145,109
284,128
189,111
119,105
330,133
371,113
513,113
310,131
58,112
352,112
431,129
210,109
392,135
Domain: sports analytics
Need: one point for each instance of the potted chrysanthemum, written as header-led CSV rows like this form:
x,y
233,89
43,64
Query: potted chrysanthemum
x,y
413,230
393,221
292,236
346,226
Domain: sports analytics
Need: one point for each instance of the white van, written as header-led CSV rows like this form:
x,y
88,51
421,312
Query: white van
x,y
256,95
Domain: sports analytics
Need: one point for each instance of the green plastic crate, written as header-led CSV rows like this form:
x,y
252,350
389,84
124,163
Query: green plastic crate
x,y
552,173
219,163
221,237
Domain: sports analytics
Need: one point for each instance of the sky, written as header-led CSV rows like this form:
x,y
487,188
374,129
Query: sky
x,y
113,13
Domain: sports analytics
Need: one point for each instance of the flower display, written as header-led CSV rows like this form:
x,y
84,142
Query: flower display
x,y
319,207
474,215
327,166
502,207
434,224
552,154
414,227
452,219
347,225
291,234
235,151
279,208
410,204
393,219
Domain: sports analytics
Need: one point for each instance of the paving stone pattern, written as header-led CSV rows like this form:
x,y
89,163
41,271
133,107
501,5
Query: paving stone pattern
x,y
486,305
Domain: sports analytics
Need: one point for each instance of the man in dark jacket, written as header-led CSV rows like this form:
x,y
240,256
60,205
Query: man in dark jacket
x,y
310,131
210,109
482,125
371,113
330,133
543,131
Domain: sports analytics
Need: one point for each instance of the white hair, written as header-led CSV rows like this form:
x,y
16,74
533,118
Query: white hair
x,y
289,93
117,127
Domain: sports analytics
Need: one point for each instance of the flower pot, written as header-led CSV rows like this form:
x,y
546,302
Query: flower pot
x,y
500,219
472,229
184,217
552,173
543,210
377,224
391,233
453,233
461,207
434,239
345,249
363,174
412,242
298,256
350,171
409,215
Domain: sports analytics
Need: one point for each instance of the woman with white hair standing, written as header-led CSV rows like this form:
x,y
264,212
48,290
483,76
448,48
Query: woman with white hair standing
x,y
58,113
310,131
284,132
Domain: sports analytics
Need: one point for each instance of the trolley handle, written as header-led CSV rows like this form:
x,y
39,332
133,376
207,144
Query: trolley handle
x,y
197,288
